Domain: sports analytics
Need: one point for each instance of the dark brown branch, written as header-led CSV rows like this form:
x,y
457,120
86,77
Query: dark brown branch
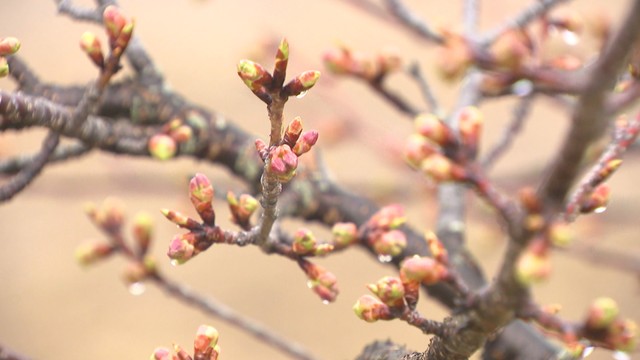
x,y
589,120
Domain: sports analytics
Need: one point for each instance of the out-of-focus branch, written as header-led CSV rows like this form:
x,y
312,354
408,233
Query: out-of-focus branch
x,y
413,21
7,354
62,153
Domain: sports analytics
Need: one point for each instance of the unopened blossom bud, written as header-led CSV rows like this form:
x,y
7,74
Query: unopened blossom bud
x,y
125,36
262,148
90,44
434,129
454,56
180,249
142,230
418,148
422,270
470,121
389,217
206,337
389,61
182,134
344,234
292,131
439,168
161,353
302,83
162,147
530,200
560,234
437,249
181,219
390,290
4,67
135,272
9,46
305,142
282,163
253,74
88,254
338,61
201,194
242,208
321,281
390,243
533,267
304,242
602,312
371,309
623,336
114,22
323,249
512,49
597,200
109,217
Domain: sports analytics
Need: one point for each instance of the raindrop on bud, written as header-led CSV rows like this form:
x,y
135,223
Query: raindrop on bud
x,y
385,258
301,95
137,288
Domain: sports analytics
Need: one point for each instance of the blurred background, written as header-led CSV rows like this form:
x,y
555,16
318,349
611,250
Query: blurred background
x,y
51,308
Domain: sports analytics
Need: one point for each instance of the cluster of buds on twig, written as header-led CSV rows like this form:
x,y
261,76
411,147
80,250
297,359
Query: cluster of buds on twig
x,y
604,326
282,159
321,281
343,235
164,145
8,46
110,219
382,234
205,347
242,208
435,150
185,246
397,297
119,30
372,69
266,85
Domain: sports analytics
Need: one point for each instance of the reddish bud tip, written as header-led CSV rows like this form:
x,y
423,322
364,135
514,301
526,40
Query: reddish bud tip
x,y
304,242
390,290
162,147
389,217
417,149
206,337
438,251
282,163
344,234
90,253
390,243
434,129
602,312
371,309
9,46
422,270
201,194
305,142
180,249
293,131
142,231
533,267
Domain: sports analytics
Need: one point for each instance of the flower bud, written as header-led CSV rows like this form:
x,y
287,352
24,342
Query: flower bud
x,y
597,200
454,56
470,121
301,83
90,44
439,168
530,200
182,134
338,61
161,354
181,249
253,74
241,209
321,281
206,337
181,219
437,249
371,309
282,163
4,67
262,148
305,142
560,234
533,267
511,50
390,243
109,217
181,354
9,46
135,272
344,234
623,336
201,194
90,253
114,22
162,147
389,217
304,242
142,230
293,131
434,129
390,290
418,148
422,270
602,312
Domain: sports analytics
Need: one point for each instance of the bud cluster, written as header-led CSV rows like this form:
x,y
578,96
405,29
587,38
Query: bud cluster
x,y
164,145
8,46
305,244
603,325
343,61
119,30
382,234
205,347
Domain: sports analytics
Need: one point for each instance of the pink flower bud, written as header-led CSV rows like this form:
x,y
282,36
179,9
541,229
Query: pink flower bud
x,y
162,147
470,122
90,44
293,131
434,129
304,242
417,149
338,61
301,83
602,312
371,309
344,234
390,243
142,230
181,219
253,74
201,194
305,142
90,253
321,281
161,354
390,290
181,249
282,163
438,251
114,22
9,46
241,209
422,270
206,337
439,168
389,217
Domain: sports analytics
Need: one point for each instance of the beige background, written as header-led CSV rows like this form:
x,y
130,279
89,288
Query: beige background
x,y
50,308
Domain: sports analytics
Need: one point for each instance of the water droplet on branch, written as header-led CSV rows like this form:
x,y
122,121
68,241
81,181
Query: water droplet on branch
x,y
137,288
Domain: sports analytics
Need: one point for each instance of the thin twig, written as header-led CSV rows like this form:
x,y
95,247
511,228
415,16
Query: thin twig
x,y
214,308
394,99
519,21
62,153
470,16
413,21
520,113
427,93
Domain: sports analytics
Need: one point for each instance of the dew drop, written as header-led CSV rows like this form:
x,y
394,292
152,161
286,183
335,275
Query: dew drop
x,y
385,258
137,288
326,302
522,88
570,37
587,351
600,210
309,284
174,262
301,95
